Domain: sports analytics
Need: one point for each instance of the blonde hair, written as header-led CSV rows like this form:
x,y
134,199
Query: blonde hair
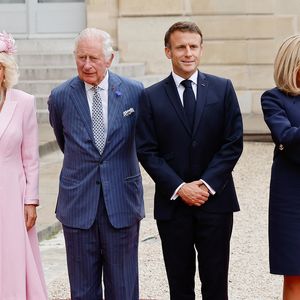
x,y
287,65
11,71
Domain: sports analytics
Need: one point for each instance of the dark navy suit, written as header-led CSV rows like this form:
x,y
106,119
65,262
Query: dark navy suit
x,y
100,196
282,115
172,153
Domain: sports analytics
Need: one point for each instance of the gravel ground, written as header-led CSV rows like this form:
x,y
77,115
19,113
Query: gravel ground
x,y
249,277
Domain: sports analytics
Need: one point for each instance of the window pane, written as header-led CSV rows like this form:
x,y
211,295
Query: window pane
x,y
12,1
58,1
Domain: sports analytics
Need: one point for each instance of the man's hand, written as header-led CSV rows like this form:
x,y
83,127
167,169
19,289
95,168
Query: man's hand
x,y
29,215
194,193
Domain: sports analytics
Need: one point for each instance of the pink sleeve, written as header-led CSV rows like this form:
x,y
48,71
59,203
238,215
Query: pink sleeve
x,y
30,152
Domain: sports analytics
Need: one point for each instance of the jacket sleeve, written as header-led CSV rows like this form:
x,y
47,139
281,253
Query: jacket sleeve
x,y
30,152
219,169
55,119
148,151
285,135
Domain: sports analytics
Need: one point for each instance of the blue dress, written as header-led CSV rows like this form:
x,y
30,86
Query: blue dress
x,y
282,115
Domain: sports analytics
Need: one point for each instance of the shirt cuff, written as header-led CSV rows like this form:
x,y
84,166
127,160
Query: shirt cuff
x,y
210,189
175,195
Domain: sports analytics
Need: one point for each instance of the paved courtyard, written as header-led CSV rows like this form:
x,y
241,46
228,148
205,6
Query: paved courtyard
x,y
249,277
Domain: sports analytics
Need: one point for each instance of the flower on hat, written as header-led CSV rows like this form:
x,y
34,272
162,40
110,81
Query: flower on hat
x,y
7,43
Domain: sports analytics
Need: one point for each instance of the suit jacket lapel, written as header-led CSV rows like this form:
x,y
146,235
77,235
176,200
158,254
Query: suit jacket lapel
x,y
202,88
114,101
172,92
79,99
7,112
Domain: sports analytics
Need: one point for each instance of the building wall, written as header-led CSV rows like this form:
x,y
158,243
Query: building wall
x,y
290,7
240,37
104,14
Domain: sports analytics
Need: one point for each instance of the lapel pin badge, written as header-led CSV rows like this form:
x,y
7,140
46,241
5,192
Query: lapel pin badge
x,y
118,93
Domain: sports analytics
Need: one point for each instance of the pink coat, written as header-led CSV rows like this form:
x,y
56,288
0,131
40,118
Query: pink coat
x,y
21,276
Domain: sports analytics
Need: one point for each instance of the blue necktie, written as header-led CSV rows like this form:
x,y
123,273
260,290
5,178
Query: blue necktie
x,y
189,101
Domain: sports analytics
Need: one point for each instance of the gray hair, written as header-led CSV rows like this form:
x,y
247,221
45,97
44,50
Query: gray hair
x,y
11,70
95,33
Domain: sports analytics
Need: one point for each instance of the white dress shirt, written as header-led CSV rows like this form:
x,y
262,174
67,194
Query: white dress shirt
x,y
180,87
103,85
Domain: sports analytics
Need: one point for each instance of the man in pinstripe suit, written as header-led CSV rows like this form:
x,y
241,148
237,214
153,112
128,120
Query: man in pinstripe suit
x,y
100,201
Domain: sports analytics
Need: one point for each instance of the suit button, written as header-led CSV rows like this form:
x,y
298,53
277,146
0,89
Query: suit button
x,y
97,182
194,144
281,147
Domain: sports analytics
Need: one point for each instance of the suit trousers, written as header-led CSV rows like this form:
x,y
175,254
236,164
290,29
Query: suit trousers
x,y
102,249
191,231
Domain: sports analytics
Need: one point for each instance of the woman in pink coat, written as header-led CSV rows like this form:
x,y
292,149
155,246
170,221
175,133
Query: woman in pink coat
x,y
21,275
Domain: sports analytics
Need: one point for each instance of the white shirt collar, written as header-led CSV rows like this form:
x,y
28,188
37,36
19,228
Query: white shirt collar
x,y
103,85
178,79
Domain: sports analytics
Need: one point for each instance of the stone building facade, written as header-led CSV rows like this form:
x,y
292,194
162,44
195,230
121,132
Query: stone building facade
x,y
241,37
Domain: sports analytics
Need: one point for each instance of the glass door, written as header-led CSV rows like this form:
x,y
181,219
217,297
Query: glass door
x,y
35,18
12,1
13,16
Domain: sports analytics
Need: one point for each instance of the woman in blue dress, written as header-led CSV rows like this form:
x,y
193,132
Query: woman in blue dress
x,y
281,108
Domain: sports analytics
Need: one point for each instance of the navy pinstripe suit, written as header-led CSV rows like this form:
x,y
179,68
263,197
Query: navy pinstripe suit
x,y
100,196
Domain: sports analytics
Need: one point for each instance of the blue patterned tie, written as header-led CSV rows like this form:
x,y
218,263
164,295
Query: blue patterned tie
x,y
98,120
189,101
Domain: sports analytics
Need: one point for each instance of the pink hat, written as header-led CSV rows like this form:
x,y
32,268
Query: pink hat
x,y
7,43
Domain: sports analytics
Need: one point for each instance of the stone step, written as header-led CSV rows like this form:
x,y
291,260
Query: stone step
x,y
47,73
38,46
150,79
43,116
41,101
52,59
40,87
45,59
65,72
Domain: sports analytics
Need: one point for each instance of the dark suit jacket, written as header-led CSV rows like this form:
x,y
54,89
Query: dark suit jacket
x,y
171,153
281,113
84,170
